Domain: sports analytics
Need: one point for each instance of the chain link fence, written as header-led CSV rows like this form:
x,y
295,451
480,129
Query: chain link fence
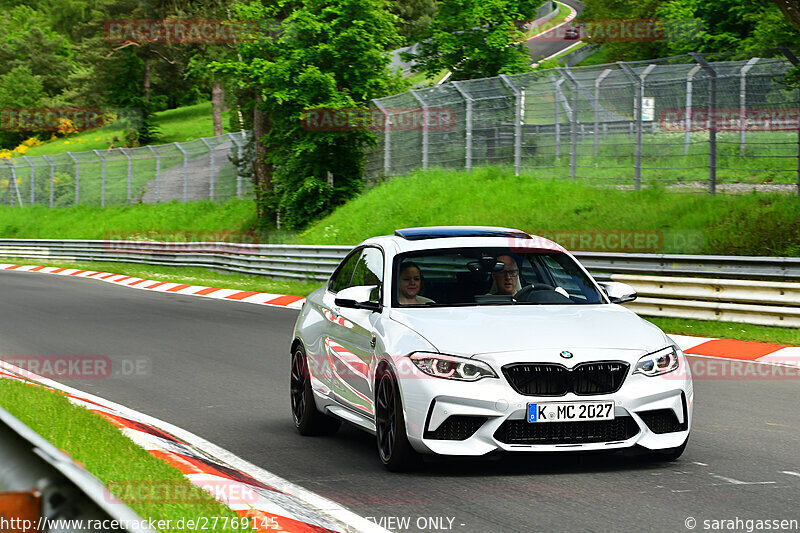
x,y
689,121
198,170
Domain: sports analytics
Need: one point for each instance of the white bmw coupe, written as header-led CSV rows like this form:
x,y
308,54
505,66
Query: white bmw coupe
x,y
470,340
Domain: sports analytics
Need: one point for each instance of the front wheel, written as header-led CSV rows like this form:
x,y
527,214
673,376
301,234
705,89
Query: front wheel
x,y
395,451
307,419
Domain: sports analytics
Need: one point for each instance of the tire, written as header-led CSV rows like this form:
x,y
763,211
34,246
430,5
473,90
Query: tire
x,y
394,450
307,419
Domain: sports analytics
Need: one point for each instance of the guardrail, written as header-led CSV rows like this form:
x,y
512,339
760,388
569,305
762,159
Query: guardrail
x,y
774,300
41,484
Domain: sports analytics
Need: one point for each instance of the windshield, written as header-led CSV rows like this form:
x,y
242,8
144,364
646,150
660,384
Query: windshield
x,y
489,276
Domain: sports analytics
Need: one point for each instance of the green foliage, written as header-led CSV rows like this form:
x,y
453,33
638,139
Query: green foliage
x,y
415,17
476,39
724,26
19,88
327,54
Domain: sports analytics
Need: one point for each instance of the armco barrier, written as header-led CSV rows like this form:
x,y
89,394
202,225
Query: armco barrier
x,y
50,489
723,288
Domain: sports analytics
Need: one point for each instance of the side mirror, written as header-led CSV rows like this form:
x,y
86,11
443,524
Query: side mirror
x,y
617,292
358,297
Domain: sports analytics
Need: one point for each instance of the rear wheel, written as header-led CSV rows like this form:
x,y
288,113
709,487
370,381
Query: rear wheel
x,y
307,419
395,451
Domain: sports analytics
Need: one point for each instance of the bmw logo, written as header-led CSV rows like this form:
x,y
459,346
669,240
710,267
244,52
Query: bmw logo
x,y
566,355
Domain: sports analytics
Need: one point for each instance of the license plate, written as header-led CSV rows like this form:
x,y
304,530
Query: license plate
x,y
570,411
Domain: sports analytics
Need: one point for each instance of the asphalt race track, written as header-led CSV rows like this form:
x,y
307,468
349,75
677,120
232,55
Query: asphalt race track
x,y
220,369
551,42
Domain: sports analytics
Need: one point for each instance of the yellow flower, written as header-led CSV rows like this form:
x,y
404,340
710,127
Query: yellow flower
x,y
66,142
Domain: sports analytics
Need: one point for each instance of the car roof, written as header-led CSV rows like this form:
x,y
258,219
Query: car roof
x,y
438,237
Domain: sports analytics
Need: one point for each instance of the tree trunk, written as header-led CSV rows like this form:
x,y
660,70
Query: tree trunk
x,y
262,171
146,83
217,102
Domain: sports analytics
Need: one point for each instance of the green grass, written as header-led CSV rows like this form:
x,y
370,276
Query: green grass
x,y
728,330
748,224
122,463
177,125
202,221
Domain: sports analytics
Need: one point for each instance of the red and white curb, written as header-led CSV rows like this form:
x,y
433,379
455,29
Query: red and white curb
x,y
272,503
260,298
734,350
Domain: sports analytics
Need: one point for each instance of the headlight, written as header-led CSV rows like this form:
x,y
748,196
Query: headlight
x,y
450,367
657,363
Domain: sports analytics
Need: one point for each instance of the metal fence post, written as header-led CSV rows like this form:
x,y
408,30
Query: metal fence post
x,y
425,133
13,180
557,90
638,82
712,116
102,179
573,123
688,118
467,126
240,156
52,178
130,172
387,138
518,95
33,179
211,169
743,102
603,75
77,178
185,172
794,61
158,170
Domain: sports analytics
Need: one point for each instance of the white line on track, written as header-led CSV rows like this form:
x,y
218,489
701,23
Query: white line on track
x,y
790,473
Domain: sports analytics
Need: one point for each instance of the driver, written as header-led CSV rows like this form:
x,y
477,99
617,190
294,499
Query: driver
x,y
507,280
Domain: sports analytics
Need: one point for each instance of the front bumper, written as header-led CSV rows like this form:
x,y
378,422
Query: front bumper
x,y
461,418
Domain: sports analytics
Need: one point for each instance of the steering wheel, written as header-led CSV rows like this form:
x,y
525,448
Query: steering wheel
x,y
524,294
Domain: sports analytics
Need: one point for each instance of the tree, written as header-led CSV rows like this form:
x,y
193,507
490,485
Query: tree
x,y
325,54
791,9
415,17
475,39
722,26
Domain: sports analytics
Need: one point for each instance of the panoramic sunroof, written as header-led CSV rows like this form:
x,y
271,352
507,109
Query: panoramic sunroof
x,y
418,234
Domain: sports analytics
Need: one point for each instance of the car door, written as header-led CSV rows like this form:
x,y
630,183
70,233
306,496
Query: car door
x,y
350,342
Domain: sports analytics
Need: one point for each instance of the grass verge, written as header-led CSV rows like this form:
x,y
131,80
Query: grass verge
x,y
199,221
728,330
108,454
723,224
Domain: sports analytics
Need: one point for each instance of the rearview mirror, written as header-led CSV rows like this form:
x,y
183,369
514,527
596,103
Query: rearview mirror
x,y
617,292
358,297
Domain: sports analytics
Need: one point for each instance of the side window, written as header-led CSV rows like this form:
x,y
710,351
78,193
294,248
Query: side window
x,y
369,271
341,279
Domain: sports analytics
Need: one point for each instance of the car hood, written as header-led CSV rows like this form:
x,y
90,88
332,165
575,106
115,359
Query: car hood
x,y
470,331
